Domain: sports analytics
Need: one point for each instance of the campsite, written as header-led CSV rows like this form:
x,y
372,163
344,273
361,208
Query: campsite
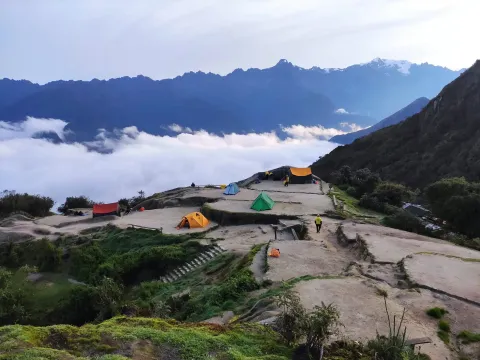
x,y
349,262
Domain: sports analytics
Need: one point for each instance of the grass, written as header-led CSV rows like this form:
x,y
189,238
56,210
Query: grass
x,y
444,325
222,284
352,209
468,337
436,312
180,340
444,336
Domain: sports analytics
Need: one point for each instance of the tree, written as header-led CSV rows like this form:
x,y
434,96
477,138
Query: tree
x,y
291,319
458,202
319,326
35,205
75,202
15,296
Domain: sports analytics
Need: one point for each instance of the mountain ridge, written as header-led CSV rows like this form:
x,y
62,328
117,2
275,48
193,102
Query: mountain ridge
x,y
253,100
443,140
393,119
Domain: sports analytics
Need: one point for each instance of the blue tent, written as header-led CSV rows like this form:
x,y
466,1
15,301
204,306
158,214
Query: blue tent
x,y
231,189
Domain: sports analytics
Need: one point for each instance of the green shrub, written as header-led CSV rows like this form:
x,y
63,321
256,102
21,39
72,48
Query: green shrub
x,y
436,312
444,325
469,337
351,191
444,336
75,202
403,220
34,205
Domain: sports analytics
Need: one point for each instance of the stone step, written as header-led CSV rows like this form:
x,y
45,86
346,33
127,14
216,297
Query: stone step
x,y
210,254
197,262
183,272
177,272
185,269
169,278
203,257
216,250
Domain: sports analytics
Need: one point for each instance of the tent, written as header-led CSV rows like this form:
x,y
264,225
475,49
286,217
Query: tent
x,y
262,202
300,175
231,189
195,220
106,209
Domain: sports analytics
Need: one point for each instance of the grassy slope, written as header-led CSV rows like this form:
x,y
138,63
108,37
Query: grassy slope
x,y
352,209
148,337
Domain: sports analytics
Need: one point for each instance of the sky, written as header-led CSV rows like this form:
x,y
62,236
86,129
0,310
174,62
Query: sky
x,y
131,160
49,40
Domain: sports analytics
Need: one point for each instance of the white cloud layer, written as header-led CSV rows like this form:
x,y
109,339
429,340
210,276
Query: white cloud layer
x,y
179,129
141,161
341,111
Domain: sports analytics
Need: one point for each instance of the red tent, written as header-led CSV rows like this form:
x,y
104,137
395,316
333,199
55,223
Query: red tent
x,y
106,209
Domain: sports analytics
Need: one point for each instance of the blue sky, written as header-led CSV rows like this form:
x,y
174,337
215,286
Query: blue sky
x,y
57,39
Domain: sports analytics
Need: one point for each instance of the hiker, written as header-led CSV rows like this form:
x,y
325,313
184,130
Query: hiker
x,y
128,210
187,224
193,184
287,180
266,175
318,223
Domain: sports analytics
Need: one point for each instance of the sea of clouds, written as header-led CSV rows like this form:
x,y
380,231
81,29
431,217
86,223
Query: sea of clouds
x,y
120,163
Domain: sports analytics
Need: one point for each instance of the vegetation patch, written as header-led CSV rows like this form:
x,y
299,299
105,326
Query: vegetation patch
x,y
468,337
444,325
444,336
436,312
117,338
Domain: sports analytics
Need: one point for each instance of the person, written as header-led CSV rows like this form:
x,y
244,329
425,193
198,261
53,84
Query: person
x,y
192,185
287,180
187,224
318,223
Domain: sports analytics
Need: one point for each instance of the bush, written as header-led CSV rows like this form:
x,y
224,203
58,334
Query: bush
x,y
444,325
34,205
403,220
290,320
75,202
436,312
444,336
42,254
458,202
351,191
469,337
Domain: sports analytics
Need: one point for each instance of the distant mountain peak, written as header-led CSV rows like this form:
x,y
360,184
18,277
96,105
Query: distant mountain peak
x,y
402,66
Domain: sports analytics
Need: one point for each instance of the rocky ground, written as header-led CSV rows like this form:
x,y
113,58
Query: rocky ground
x,y
351,264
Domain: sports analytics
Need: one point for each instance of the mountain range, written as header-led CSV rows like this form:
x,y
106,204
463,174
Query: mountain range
x,y
242,101
399,116
443,140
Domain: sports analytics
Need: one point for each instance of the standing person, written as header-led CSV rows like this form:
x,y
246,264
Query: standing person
x,y
318,223
287,180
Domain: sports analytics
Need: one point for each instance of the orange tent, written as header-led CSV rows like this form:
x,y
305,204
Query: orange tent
x,y
195,220
106,209
274,253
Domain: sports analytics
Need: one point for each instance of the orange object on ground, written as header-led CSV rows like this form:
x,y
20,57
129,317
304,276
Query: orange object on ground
x,y
274,253
195,220
141,209
106,209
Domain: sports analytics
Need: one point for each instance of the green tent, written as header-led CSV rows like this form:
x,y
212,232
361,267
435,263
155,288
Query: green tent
x,y
263,202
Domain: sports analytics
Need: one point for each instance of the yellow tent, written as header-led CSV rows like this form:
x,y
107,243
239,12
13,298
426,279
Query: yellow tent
x,y
195,220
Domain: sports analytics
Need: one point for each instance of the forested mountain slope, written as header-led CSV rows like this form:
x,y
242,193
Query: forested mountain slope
x,y
442,140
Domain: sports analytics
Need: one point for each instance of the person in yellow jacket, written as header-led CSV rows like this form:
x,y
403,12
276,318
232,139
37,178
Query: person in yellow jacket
x,y
318,223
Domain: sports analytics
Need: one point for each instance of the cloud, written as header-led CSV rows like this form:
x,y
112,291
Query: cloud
x,y
140,161
31,127
311,132
179,129
352,126
341,111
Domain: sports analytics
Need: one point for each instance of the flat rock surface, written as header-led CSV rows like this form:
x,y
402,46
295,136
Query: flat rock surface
x,y
392,245
321,205
450,275
241,238
302,257
362,311
271,185
167,218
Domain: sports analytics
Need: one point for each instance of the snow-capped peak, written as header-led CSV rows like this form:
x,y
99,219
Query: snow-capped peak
x,y
402,66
